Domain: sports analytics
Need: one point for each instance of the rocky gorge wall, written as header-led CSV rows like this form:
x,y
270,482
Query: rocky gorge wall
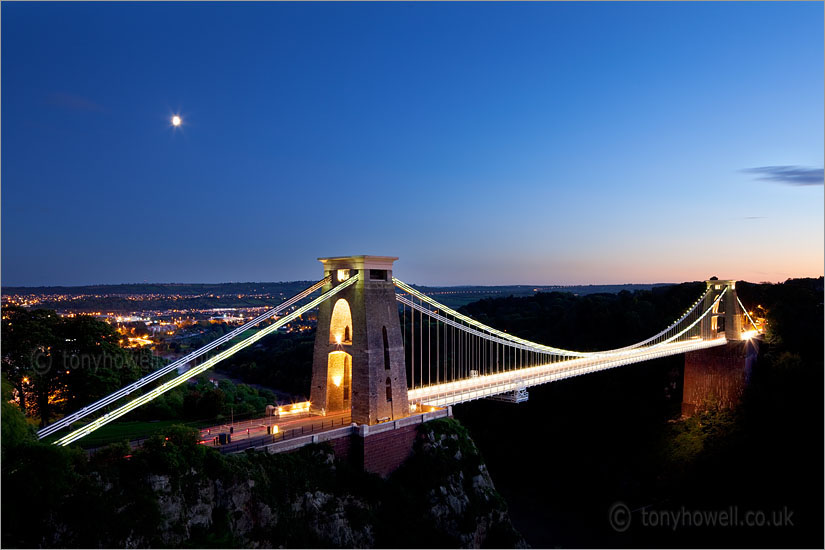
x,y
176,493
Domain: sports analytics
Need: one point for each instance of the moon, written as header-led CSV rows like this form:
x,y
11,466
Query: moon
x,y
176,120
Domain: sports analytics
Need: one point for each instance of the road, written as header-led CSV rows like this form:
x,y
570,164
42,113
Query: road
x,y
250,433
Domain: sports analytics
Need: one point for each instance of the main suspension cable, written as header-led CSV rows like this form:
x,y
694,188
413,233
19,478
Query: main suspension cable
x,y
111,398
142,400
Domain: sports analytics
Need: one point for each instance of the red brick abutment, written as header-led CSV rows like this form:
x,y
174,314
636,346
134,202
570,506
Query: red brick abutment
x,y
379,449
717,376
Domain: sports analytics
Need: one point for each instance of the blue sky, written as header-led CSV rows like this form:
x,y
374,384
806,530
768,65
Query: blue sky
x,y
482,143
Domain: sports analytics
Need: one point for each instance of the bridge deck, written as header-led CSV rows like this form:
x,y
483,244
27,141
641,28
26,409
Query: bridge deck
x,y
451,393
253,433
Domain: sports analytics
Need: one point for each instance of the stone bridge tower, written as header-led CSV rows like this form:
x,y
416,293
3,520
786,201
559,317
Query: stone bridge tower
x,y
358,363
726,316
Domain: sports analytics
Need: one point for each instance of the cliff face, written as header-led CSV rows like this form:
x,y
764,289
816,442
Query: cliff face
x,y
232,512
455,489
175,493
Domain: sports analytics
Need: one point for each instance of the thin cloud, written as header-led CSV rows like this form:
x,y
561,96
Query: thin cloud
x,y
74,102
789,175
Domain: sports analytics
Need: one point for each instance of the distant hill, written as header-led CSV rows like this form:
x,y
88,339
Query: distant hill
x,y
194,289
456,296
167,289
120,298
156,296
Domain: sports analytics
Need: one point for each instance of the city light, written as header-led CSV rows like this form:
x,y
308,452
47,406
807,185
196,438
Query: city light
x,y
295,408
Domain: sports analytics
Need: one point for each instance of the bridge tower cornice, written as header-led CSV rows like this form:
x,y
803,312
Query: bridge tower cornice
x,y
358,262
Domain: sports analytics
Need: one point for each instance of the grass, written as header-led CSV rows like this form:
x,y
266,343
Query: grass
x,y
124,431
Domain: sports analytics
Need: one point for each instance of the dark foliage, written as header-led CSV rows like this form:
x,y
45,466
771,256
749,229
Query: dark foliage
x,y
281,361
578,446
595,321
58,364
58,497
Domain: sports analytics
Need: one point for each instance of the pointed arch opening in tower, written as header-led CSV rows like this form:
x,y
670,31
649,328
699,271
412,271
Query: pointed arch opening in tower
x,y
340,329
339,381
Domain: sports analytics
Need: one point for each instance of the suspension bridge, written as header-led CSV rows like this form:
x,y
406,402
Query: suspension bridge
x,y
385,351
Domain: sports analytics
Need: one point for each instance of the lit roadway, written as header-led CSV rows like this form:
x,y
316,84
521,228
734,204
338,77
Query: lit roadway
x,y
254,430
452,393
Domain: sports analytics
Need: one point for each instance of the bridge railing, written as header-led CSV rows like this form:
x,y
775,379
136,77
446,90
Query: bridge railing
x,y
291,433
477,388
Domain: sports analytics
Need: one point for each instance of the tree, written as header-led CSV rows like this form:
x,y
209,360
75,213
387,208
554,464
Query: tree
x,y
15,429
57,364
28,337
94,363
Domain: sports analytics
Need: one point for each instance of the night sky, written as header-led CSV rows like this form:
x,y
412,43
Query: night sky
x,y
489,143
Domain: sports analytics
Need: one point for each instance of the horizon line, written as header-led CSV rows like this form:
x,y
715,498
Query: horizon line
x,y
4,286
